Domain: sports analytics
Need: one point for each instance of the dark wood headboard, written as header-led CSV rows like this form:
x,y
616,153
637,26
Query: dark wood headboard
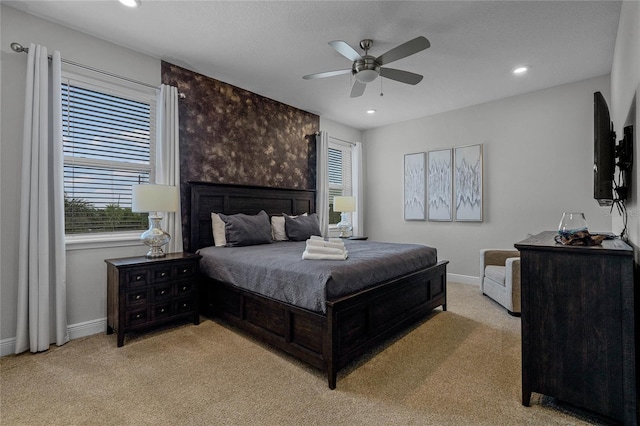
x,y
207,198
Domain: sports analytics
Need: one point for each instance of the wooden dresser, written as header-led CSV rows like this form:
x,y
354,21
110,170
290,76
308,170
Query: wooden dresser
x,y
144,292
578,341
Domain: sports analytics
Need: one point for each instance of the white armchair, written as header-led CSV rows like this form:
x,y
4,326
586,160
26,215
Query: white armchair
x,y
500,277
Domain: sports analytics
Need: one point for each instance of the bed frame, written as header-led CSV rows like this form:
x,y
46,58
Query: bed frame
x,y
352,325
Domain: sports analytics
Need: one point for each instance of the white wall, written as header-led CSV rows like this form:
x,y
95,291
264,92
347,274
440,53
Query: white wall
x,y
538,158
625,89
86,270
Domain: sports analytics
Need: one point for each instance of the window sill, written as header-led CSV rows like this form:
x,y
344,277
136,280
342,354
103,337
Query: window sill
x,y
98,241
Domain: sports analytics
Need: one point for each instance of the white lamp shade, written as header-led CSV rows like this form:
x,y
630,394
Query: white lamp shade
x,y
344,204
154,198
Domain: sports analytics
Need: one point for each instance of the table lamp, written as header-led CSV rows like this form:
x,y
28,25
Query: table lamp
x,y
345,205
153,199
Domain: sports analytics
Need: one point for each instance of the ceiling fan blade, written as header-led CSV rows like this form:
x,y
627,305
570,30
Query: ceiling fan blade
x,y
401,76
409,48
345,50
326,74
357,89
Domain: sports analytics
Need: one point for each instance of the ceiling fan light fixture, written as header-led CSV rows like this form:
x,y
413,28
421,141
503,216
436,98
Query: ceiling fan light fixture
x,y
366,76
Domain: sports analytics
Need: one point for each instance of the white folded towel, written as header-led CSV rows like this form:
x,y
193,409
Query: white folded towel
x,y
319,256
322,243
324,250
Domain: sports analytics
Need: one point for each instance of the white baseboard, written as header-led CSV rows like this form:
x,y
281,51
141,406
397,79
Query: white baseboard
x,y
463,279
76,331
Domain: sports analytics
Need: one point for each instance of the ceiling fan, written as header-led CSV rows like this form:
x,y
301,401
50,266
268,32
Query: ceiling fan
x,y
366,68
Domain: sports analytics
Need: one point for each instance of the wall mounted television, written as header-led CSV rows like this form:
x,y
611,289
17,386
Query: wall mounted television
x,y
604,140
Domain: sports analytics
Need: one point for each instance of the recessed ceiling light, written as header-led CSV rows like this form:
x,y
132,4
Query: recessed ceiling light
x,y
520,70
131,3
371,111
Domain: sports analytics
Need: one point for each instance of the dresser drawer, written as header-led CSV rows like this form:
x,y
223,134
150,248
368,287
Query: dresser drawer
x,y
161,274
183,306
135,297
162,311
136,317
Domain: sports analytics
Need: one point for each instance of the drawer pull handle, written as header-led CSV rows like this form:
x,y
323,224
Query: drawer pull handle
x,y
138,297
162,310
162,274
138,277
184,271
162,292
184,305
138,316
184,288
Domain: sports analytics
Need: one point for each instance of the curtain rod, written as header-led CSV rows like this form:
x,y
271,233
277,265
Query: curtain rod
x,y
18,48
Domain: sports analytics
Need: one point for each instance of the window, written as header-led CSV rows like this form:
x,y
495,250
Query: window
x,y
339,175
108,138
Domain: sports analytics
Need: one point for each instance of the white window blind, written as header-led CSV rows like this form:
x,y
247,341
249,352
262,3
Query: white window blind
x,y
109,139
340,179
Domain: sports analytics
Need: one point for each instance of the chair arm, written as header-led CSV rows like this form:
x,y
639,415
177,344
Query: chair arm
x,y
512,281
496,256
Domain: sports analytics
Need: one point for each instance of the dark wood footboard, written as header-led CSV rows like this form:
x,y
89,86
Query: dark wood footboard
x,y
352,325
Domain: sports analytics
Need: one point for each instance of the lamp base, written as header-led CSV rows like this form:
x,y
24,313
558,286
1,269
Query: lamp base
x,y
155,238
344,226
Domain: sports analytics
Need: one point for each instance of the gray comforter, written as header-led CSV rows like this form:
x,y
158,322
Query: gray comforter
x,y
278,271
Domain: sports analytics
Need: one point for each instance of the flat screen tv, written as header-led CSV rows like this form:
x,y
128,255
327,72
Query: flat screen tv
x,y
604,140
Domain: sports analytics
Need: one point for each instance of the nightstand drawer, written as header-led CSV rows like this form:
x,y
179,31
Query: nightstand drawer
x,y
137,277
162,292
162,311
161,275
183,306
184,288
186,271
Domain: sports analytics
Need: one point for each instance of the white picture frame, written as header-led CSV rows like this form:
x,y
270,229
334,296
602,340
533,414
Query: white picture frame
x,y
414,186
468,183
440,185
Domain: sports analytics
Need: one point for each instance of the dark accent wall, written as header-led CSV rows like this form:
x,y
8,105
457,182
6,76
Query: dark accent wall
x,y
231,135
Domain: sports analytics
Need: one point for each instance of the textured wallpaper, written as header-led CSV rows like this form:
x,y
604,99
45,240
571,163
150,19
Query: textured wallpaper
x,y
231,135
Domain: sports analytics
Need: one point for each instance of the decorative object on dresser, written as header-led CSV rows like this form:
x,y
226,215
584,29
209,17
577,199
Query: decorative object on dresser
x,y
500,277
345,205
332,330
578,324
144,292
154,199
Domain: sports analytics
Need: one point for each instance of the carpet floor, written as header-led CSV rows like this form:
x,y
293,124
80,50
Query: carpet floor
x,y
460,367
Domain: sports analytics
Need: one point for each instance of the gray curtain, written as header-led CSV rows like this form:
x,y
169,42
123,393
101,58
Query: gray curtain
x,y
42,311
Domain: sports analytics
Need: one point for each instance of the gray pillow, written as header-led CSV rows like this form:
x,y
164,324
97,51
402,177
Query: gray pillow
x,y
246,230
302,227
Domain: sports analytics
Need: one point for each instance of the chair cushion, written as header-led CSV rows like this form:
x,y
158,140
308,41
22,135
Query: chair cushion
x,y
495,273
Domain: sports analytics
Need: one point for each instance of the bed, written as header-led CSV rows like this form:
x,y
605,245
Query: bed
x,y
327,335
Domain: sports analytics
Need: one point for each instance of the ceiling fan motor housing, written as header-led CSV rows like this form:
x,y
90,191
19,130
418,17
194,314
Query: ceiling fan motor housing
x,y
366,69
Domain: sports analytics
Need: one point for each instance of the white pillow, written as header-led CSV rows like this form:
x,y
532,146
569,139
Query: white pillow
x,y
277,228
219,237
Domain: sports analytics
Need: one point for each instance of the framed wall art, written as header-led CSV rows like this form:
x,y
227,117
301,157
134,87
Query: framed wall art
x,y
468,183
439,185
414,186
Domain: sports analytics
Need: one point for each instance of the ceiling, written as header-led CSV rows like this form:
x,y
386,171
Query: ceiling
x,y
267,46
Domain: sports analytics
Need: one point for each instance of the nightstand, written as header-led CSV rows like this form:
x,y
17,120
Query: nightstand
x,y
143,293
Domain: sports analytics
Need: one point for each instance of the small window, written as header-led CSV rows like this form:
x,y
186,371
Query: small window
x,y
339,176
109,138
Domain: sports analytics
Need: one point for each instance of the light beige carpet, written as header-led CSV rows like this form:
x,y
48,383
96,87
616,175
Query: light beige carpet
x,y
460,367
